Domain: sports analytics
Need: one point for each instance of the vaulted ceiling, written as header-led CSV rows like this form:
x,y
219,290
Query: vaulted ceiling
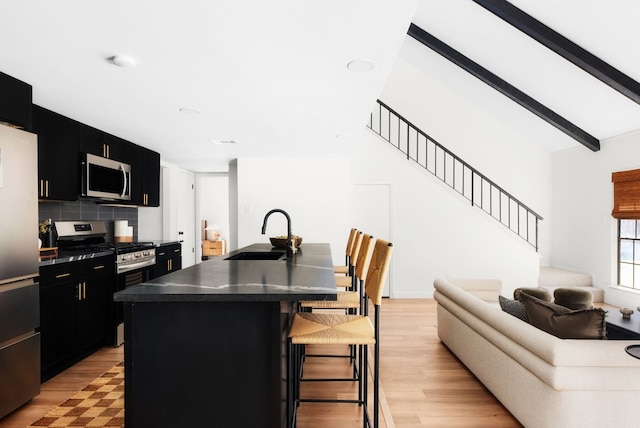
x,y
273,76
606,30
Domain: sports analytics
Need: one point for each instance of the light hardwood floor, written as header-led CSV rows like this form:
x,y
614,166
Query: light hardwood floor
x,y
423,384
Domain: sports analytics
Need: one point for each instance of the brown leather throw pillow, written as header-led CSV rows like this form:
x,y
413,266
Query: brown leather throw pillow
x,y
563,322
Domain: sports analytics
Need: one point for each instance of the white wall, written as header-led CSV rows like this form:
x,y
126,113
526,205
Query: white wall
x,y
584,233
435,232
504,154
316,193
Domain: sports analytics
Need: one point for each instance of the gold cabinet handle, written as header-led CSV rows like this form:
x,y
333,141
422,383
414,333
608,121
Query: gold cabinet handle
x,y
44,188
98,267
84,290
62,275
79,289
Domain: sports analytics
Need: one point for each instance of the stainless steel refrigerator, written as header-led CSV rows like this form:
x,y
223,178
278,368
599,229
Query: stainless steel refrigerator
x,y
19,293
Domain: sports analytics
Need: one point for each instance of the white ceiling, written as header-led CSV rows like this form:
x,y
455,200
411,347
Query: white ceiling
x,y
608,30
273,75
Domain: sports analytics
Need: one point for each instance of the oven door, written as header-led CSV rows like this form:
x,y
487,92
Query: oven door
x,y
124,280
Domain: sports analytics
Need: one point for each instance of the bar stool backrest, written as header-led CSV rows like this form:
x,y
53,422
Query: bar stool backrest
x,y
362,262
351,241
355,249
378,270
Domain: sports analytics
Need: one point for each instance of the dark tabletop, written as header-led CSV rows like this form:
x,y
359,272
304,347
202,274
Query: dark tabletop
x,y
631,324
308,275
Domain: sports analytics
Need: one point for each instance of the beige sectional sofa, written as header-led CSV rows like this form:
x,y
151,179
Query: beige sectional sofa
x,y
542,380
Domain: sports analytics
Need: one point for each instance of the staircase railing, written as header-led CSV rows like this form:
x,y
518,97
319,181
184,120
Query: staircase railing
x,y
456,173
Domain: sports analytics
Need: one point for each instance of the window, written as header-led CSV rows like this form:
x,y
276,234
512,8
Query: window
x,y
626,208
629,253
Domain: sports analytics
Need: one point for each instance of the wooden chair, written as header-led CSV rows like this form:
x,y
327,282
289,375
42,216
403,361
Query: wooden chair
x,y
310,328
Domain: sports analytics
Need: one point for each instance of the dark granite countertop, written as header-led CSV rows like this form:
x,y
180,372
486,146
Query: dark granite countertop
x,y
308,275
67,258
162,243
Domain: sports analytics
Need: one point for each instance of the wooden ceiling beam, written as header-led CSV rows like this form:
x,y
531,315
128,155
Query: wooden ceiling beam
x,y
564,47
504,88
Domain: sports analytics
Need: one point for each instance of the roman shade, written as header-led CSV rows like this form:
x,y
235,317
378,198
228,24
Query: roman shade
x,y
626,194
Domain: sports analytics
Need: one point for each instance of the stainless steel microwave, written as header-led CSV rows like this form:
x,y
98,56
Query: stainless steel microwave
x,y
105,178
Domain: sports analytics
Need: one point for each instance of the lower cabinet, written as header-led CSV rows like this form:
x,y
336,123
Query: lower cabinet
x,y
75,302
168,259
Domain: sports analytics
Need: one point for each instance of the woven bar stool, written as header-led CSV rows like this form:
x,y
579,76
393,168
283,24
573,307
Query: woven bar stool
x,y
347,299
345,270
308,328
350,301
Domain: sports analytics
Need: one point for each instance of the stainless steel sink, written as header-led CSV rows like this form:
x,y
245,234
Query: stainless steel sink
x,y
257,255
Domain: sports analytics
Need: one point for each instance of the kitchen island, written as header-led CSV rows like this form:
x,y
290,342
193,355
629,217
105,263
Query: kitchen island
x,y
206,345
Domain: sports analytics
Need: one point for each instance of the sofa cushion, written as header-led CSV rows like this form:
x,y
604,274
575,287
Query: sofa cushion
x,y
513,307
564,322
540,293
573,298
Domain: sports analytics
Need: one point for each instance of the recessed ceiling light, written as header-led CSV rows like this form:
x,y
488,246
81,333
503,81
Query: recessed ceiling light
x,y
189,110
123,61
223,141
361,65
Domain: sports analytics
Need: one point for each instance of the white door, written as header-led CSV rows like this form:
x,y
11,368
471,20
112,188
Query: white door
x,y
372,215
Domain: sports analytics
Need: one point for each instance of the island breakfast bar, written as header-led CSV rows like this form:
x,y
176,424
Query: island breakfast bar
x,y
206,345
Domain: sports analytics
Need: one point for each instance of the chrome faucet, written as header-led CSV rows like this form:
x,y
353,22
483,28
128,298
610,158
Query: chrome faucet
x,y
291,249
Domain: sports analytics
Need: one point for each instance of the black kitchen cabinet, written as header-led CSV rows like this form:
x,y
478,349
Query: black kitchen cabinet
x,y
105,145
145,164
75,302
58,157
168,259
150,178
61,144
120,149
92,141
15,102
95,282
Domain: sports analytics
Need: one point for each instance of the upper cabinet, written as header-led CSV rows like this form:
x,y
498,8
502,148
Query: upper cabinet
x,y
92,141
61,143
58,155
150,178
15,102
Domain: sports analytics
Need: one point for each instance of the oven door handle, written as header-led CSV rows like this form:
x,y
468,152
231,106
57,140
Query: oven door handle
x,y
124,181
134,266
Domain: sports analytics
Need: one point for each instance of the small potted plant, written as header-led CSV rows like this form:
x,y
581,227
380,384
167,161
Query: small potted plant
x,y
46,233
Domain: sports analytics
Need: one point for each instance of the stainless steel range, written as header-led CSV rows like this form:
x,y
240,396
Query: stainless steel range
x,y
134,261
83,238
